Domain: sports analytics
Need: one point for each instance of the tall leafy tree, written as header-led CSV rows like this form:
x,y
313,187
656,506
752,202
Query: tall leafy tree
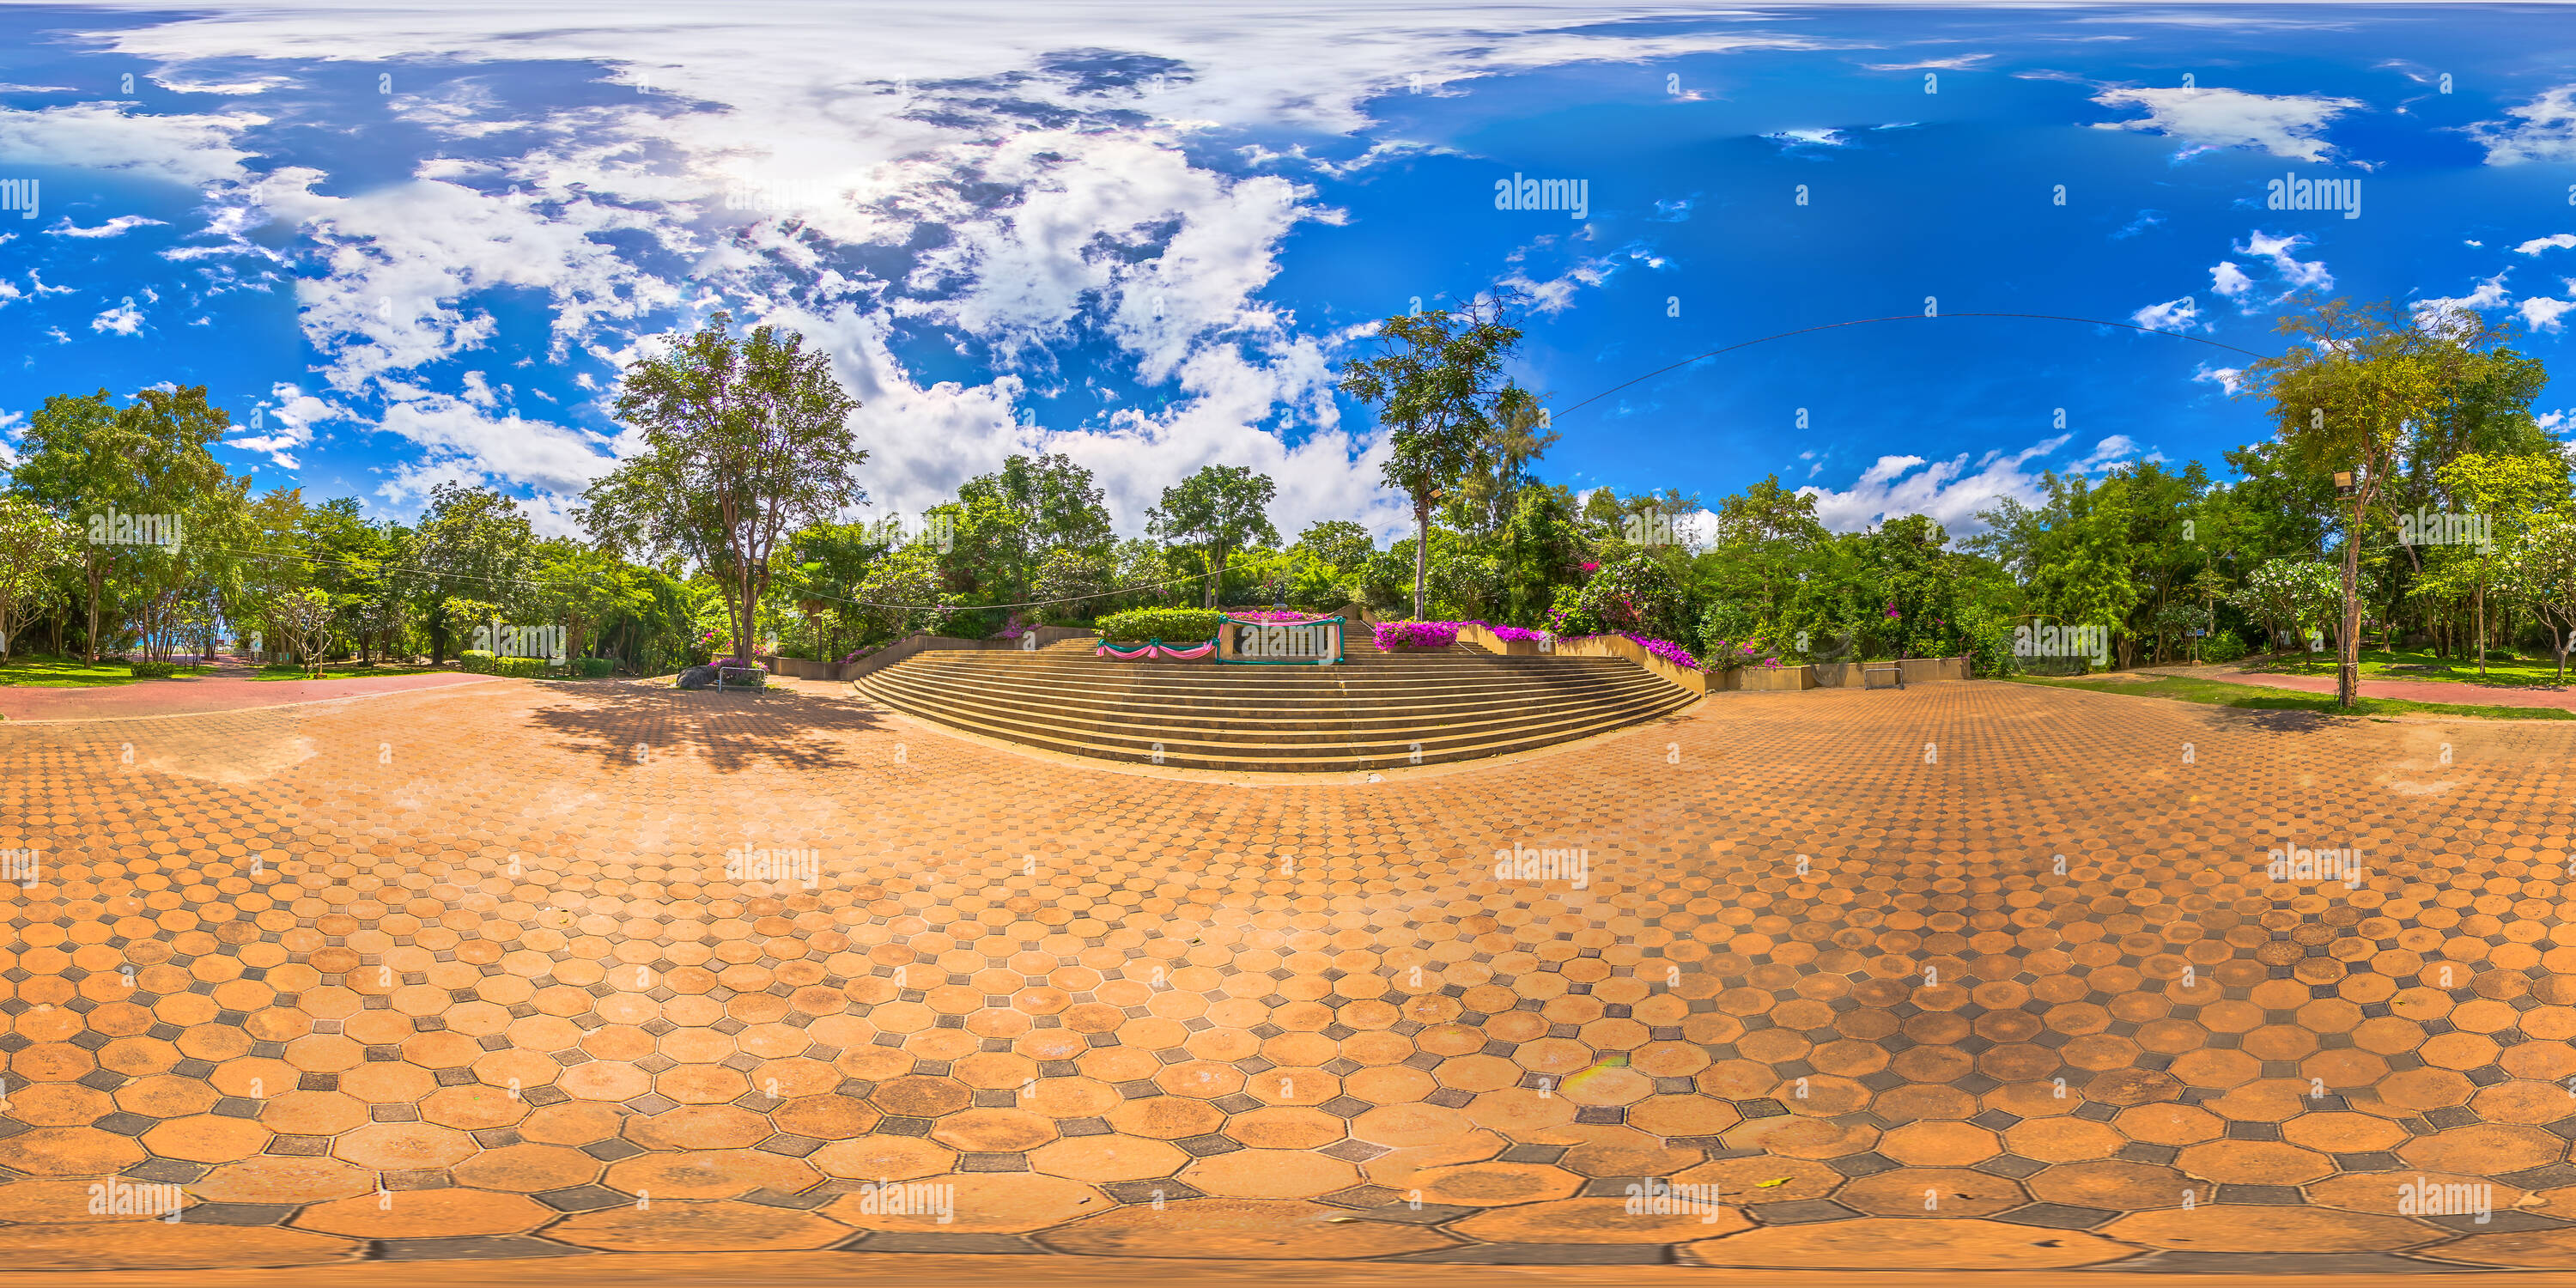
x,y
85,457
33,541
745,439
2345,397
1220,509
473,552
1438,387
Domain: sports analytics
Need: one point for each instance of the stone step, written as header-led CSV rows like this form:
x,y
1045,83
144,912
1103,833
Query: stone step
x,y
1377,710
1213,716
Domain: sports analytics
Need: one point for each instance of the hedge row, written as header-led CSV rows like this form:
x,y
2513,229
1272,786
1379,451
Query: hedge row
x,y
142,670
1170,625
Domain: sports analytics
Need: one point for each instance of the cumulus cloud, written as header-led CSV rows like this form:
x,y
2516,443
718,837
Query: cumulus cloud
x,y
2293,273
1032,199
2558,241
2544,130
2229,379
1951,492
112,228
124,319
277,430
2229,280
2209,119
2172,315
2489,294
194,149
1791,140
2541,313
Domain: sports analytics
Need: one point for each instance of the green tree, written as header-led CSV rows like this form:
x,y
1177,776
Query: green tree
x,y
745,439
1220,509
87,459
1437,385
2289,595
2346,397
2510,493
472,543
33,542
2542,572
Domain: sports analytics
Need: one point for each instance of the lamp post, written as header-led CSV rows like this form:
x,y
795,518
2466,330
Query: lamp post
x,y
2348,673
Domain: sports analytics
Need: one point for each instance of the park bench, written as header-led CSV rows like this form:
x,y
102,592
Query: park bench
x,y
1888,668
756,677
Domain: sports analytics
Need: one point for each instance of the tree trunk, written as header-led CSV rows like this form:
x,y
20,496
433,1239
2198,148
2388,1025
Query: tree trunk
x,y
2348,647
1421,552
2482,631
95,577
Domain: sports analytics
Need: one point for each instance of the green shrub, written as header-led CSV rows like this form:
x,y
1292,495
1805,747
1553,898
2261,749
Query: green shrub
x,y
479,661
2222,646
522,667
1170,625
592,668
152,670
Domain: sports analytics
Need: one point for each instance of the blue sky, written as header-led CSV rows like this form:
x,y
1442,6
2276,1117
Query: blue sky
x,y
410,246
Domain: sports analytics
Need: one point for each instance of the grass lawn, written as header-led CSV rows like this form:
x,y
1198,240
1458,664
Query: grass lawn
x,y
334,671
2257,698
2378,664
38,671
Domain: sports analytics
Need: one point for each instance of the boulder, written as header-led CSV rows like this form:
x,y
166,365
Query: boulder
x,y
698,677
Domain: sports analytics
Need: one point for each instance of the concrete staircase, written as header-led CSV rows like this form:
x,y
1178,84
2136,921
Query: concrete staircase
x,y
1375,711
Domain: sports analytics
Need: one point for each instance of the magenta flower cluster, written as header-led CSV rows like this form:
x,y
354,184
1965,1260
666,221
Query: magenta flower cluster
x,y
1416,634
1668,651
1272,615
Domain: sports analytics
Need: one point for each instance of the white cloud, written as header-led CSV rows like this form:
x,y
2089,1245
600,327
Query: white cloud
x,y
124,319
2172,315
2118,449
1808,138
112,228
191,149
2489,295
2229,379
1950,492
2294,274
2559,241
460,441
2210,118
1961,62
13,429
2546,131
1556,295
278,430
2229,280
1063,201
2541,313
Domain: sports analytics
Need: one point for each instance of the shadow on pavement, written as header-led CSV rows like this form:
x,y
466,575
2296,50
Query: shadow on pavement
x,y
732,731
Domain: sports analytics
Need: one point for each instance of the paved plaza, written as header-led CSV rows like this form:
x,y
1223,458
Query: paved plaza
x,y
1962,977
